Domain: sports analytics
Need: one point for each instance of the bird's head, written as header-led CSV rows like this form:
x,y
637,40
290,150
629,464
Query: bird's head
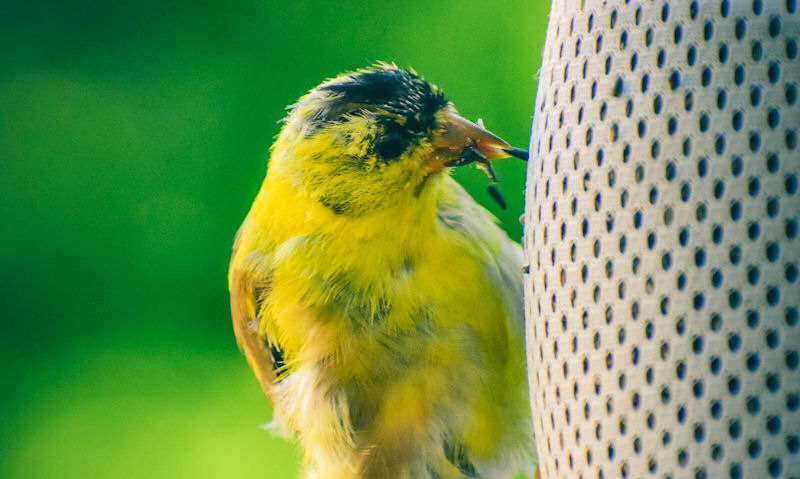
x,y
374,138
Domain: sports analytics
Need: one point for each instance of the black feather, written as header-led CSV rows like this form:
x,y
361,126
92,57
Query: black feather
x,y
457,455
278,363
394,89
410,101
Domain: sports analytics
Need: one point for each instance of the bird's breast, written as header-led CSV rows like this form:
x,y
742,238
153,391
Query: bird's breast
x,y
378,305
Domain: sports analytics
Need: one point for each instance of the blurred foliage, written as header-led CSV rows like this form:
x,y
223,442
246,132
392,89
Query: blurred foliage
x,y
133,137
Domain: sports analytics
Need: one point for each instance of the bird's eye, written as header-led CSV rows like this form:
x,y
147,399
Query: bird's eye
x,y
390,148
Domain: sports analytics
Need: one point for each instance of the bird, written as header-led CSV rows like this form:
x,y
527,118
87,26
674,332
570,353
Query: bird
x,y
378,304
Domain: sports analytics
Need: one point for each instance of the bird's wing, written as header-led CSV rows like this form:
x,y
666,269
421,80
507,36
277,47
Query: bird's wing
x,y
501,260
507,277
501,256
249,281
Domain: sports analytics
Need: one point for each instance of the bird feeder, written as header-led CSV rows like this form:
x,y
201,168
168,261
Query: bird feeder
x,y
662,238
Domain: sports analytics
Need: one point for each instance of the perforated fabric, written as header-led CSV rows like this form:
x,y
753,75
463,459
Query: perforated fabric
x,y
661,233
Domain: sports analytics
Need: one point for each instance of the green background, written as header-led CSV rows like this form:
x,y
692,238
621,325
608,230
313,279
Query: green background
x,y
133,137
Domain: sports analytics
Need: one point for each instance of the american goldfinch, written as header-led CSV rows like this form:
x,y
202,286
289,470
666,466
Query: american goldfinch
x,y
378,304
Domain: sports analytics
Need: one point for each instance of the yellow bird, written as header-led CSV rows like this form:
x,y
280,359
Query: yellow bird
x,y
378,304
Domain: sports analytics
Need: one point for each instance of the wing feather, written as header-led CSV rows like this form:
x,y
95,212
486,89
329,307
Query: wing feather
x,y
248,284
501,256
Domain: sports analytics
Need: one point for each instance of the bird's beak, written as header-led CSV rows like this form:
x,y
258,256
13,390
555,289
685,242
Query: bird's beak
x,y
458,133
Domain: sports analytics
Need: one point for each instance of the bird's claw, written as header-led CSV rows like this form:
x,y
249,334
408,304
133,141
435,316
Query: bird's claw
x,y
472,154
494,192
467,156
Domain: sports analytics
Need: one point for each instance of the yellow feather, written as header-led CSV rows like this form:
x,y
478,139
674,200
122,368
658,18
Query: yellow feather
x,y
395,335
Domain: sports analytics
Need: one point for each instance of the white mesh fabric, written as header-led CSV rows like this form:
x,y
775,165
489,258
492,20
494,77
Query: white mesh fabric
x,y
661,233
